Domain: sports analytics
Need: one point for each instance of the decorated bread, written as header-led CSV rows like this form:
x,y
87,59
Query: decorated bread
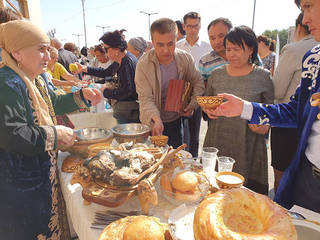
x,y
136,228
241,214
185,186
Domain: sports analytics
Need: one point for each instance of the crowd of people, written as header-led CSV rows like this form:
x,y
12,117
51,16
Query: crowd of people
x,y
137,77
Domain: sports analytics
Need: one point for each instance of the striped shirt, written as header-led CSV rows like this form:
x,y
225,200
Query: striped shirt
x,y
210,62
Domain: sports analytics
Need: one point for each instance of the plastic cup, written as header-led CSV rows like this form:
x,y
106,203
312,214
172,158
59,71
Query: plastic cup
x,y
209,159
225,164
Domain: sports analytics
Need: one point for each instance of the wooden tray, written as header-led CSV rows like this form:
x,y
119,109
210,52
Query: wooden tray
x,y
109,196
106,196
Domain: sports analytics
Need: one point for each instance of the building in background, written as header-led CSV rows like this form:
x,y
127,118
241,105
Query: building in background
x,y
29,9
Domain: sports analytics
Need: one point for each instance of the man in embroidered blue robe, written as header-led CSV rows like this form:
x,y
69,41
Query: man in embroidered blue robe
x,y
300,184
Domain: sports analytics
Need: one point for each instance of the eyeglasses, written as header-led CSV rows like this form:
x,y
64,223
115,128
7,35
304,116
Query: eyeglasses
x,y
189,26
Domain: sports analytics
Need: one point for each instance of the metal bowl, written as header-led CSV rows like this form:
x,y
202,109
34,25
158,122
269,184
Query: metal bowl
x,y
92,134
131,132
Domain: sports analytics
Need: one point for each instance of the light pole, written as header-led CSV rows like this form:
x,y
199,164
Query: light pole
x,y
254,13
78,35
149,14
84,24
103,27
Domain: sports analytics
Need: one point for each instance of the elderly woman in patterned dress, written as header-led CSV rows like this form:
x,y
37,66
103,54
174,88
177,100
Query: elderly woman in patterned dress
x,y
32,206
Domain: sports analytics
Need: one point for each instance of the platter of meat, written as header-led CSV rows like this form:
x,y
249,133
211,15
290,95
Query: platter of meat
x,y
114,175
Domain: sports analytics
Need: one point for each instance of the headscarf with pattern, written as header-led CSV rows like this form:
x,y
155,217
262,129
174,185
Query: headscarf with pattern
x,y
14,36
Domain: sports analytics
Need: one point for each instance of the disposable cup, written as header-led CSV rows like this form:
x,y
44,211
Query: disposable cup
x,y
209,158
225,164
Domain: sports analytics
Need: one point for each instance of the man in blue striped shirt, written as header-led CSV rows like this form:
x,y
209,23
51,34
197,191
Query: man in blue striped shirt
x,y
217,30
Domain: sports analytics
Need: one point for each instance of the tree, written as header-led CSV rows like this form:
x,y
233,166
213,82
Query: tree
x,y
283,36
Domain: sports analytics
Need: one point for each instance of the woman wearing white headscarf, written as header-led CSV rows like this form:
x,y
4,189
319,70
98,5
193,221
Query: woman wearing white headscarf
x,y
32,206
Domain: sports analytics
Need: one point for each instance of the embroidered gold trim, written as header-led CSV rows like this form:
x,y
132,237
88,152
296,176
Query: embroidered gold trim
x,y
50,138
53,225
78,100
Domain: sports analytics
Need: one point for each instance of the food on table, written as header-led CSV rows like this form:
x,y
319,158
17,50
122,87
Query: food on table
x,y
229,180
171,164
117,167
166,184
209,102
184,186
185,181
147,194
159,141
241,214
71,163
136,228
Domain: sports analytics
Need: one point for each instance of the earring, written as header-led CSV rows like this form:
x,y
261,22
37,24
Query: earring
x,y
19,65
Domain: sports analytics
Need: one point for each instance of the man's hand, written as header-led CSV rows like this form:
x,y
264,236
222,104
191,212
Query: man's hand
x,y
231,108
187,112
92,94
158,127
315,102
65,136
209,113
259,129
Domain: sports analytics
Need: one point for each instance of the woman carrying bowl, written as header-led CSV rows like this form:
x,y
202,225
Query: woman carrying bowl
x,y
122,71
235,137
32,206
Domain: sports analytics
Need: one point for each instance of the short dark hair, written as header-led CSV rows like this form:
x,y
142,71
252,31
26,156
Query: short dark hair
x,y
225,21
99,48
70,46
243,35
192,15
267,41
299,22
84,51
164,25
115,39
180,28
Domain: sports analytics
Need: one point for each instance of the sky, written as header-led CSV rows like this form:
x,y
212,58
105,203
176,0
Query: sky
x,y
66,16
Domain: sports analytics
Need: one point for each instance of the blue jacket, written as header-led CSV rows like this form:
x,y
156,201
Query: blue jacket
x,y
297,113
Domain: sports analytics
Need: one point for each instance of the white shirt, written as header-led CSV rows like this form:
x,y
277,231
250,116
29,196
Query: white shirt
x,y
199,49
313,147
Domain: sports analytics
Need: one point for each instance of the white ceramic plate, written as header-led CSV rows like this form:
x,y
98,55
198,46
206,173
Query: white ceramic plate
x,y
181,222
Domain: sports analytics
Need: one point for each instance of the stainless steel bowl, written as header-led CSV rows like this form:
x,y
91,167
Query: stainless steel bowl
x,y
92,134
131,132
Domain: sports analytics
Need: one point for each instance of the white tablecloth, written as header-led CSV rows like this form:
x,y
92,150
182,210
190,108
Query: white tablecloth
x,y
82,216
